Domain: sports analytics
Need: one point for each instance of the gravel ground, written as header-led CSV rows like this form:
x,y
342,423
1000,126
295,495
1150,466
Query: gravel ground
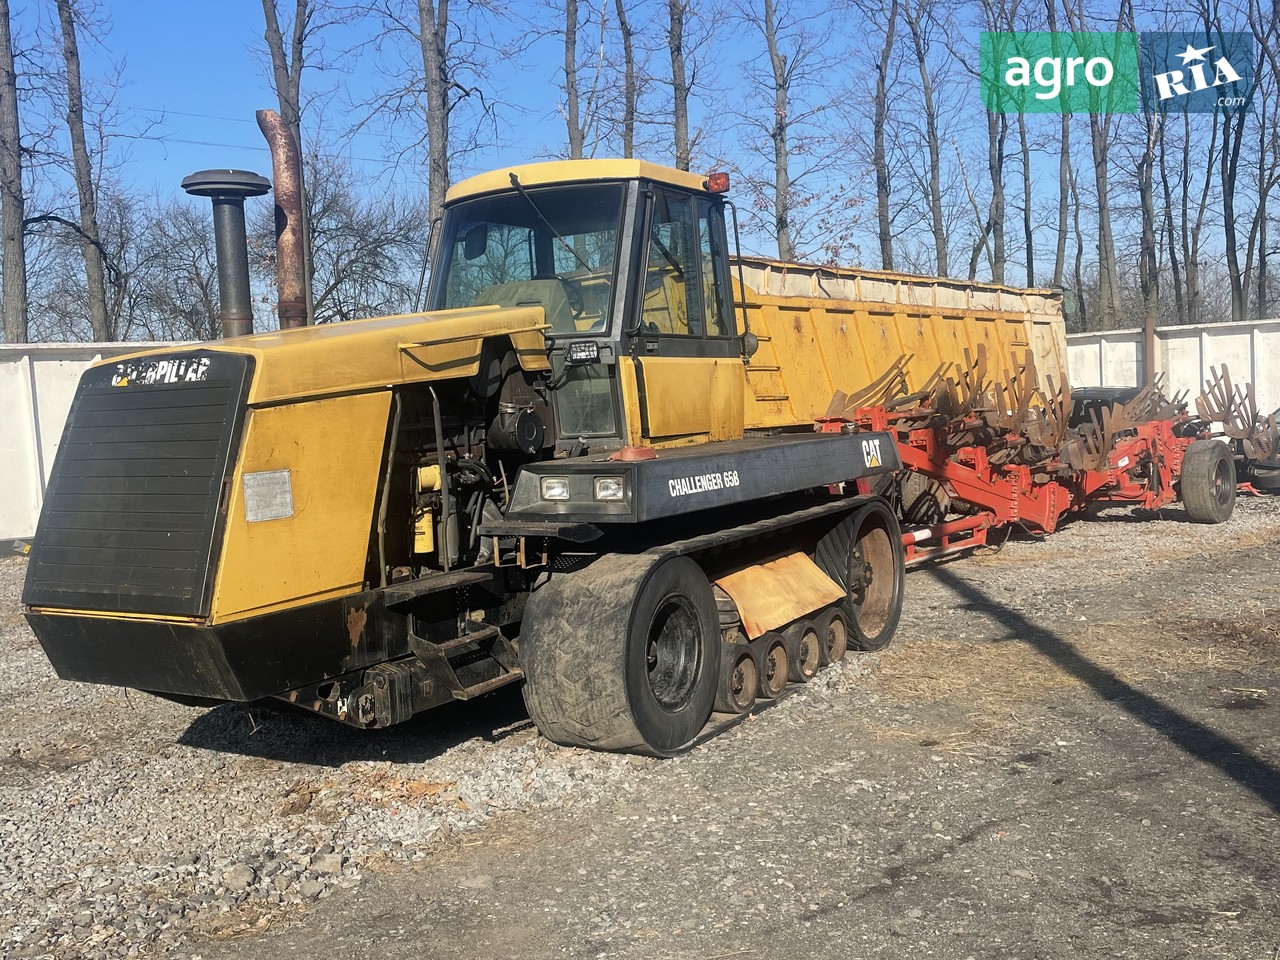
x,y
1068,734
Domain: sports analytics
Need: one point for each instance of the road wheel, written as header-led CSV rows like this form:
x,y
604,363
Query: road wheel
x,y
1208,481
875,580
622,655
773,666
804,651
833,631
739,679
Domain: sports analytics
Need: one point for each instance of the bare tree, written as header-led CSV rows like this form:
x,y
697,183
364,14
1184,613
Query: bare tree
x,y
12,197
880,123
1028,227
86,188
676,10
782,77
915,16
583,116
365,245
1101,129
629,94
571,110
433,36
286,73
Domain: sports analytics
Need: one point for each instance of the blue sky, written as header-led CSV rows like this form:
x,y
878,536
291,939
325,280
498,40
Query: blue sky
x,y
201,68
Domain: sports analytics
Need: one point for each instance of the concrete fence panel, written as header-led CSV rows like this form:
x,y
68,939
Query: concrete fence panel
x,y
37,382
1184,355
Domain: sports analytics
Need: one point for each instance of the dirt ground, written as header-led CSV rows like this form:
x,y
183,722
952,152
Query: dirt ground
x,y
1072,751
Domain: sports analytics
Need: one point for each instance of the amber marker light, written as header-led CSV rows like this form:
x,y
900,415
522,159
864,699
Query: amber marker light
x,y
718,182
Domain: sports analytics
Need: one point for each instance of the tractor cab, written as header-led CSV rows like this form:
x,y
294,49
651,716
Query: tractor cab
x,y
629,263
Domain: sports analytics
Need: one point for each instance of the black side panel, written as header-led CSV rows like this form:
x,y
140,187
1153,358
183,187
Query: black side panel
x,y
130,520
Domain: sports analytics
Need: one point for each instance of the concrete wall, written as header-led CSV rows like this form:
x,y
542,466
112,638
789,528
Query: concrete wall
x,y
1251,351
37,382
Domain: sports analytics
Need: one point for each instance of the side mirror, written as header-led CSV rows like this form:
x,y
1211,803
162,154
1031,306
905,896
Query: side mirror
x,y
476,242
750,344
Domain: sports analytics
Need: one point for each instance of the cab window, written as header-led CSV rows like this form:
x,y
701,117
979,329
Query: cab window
x,y
685,285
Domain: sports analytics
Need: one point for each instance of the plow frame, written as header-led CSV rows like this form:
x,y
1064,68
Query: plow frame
x,y
1141,470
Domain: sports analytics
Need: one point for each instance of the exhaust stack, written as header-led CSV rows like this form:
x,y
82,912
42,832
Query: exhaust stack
x,y
228,189
286,167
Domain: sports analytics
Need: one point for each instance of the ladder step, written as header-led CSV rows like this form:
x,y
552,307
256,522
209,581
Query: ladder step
x,y
477,636
492,684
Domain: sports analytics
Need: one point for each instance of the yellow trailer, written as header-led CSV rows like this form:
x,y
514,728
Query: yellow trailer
x,y
823,329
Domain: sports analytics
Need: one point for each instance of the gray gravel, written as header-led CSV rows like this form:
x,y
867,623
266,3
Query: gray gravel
x,y
126,820
129,824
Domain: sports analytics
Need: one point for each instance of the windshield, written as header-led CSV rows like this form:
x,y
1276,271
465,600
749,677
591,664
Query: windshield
x,y
556,248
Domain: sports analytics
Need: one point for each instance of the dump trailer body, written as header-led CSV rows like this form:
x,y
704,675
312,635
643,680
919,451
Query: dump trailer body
x,y
824,329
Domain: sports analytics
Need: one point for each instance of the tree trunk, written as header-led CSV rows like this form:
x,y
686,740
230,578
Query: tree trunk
x,y
571,79
83,173
1028,227
1065,177
679,83
884,225
1175,263
12,199
1100,127
628,82
778,134
433,22
1229,162
997,133
1082,310
1148,265
931,137
286,72
1108,291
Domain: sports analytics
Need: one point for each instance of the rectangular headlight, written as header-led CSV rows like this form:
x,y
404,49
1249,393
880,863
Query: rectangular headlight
x,y
555,488
583,351
610,488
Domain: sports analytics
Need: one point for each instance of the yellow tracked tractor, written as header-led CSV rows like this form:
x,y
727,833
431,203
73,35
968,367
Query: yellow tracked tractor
x,y
590,464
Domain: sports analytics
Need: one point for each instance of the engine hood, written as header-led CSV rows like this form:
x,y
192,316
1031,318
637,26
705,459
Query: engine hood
x,y
364,354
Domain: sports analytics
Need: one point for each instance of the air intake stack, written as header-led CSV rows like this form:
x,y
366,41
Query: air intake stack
x,y
228,189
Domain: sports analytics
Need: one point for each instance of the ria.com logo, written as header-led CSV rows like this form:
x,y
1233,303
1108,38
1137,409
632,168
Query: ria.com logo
x,y
1116,72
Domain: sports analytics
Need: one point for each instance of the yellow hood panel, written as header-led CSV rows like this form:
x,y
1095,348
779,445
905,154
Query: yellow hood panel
x,y
362,355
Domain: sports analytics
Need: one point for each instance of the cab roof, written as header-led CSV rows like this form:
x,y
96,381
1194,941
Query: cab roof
x,y
573,171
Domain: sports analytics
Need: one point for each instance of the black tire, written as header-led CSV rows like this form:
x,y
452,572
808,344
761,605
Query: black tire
x,y
739,679
773,665
622,655
863,553
1208,481
924,501
833,630
1266,479
804,651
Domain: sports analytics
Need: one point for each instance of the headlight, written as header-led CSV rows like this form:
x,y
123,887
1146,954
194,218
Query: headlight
x,y
610,488
555,488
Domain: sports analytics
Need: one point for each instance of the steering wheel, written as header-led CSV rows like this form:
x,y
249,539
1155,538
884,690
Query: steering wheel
x,y
572,294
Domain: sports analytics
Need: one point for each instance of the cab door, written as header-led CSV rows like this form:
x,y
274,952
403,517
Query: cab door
x,y
686,371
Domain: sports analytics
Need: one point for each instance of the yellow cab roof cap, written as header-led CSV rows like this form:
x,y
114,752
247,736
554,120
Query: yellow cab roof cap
x,y
573,171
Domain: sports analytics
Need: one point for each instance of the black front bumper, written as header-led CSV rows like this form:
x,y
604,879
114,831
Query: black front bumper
x,y
241,661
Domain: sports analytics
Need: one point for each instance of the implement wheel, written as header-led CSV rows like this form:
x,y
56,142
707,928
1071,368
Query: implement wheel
x,y
863,553
622,655
1208,481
